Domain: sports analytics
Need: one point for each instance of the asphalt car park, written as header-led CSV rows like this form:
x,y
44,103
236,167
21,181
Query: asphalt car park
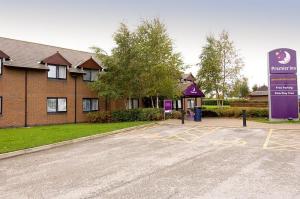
x,y
166,160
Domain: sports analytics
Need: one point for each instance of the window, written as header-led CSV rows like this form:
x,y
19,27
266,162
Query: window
x,y
90,75
0,105
57,72
191,103
56,105
90,104
179,103
132,103
1,63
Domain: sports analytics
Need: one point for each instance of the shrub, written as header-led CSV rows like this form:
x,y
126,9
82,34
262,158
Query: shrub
x,y
99,116
126,115
150,114
174,115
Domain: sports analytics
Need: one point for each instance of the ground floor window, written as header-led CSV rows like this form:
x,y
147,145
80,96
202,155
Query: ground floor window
x,y
132,103
191,103
177,104
1,105
56,104
90,104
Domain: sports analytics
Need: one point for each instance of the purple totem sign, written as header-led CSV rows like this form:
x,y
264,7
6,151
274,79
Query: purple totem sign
x,y
168,106
283,89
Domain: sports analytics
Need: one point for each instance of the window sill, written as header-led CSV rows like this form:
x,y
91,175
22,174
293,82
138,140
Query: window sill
x,y
57,113
88,81
89,111
56,78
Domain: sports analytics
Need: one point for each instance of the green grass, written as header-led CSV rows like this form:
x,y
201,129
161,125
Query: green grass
x,y
14,139
266,120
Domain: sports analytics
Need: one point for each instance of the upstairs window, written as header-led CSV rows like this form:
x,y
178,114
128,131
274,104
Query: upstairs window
x,y
90,104
57,72
90,75
56,105
1,64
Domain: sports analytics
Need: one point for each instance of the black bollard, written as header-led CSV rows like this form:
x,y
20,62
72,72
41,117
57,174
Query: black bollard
x,y
182,116
244,118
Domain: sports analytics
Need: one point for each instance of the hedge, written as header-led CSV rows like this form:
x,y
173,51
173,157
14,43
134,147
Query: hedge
x,y
145,114
226,102
235,112
153,114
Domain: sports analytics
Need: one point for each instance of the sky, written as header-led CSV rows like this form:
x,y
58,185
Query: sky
x,y
255,26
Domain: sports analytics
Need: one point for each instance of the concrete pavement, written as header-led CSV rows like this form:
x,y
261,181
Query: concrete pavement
x,y
167,160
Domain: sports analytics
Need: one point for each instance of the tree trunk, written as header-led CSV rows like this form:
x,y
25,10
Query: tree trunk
x,y
157,103
218,98
152,103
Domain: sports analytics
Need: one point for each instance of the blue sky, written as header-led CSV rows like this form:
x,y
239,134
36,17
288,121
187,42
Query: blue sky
x,y
256,26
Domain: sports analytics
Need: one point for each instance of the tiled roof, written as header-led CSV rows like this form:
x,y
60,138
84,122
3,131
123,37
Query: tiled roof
x,y
188,76
29,55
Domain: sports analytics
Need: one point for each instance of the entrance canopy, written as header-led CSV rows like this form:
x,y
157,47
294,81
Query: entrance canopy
x,y
192,90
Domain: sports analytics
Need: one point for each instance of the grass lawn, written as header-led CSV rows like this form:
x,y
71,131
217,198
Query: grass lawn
x,y
14,139
266,120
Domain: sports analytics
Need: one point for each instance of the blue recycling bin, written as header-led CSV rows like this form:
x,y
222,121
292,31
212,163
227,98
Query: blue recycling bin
x,y
198,114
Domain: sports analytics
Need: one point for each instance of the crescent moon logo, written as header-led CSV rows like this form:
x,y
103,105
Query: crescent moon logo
x,y
285,59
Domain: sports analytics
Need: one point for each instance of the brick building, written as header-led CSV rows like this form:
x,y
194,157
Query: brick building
x,y
41,84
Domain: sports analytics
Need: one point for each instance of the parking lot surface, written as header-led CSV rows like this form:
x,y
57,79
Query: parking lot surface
x,y
167,160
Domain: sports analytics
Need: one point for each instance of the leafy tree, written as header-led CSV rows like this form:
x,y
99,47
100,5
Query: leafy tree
x,y
143,64
161,65
240,88
210,73
220,66
120,81
255,87
231,63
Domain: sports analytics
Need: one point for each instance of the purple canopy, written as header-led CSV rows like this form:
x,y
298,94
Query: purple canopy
x,y
193,91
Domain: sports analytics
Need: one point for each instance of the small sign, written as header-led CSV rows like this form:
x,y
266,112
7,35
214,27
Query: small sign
x,y
168,106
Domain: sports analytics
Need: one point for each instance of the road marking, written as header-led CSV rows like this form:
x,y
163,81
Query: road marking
x,y
265,146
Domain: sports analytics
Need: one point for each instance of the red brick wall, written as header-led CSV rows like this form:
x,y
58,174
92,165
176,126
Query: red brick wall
x,y
12,89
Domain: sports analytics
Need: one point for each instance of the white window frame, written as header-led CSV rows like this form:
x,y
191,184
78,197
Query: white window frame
x,y
91,107
57,107
90,73
58,72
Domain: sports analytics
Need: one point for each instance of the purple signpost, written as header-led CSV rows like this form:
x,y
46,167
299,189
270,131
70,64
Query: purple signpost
x,y
167,107
283,89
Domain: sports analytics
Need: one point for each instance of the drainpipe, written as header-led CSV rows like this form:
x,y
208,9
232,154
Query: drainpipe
x,y
75,99
26,90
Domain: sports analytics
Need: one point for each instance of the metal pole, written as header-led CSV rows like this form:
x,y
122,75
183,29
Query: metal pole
x,y
244,118
182,111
